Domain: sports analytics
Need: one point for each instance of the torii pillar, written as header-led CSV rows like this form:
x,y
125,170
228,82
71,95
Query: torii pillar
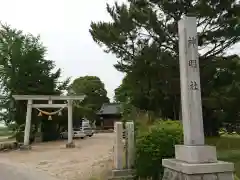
x,y
30,105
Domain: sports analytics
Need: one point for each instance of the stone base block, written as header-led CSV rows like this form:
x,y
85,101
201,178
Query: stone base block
x,y
196,154
25,147
178,170
122,174
70,145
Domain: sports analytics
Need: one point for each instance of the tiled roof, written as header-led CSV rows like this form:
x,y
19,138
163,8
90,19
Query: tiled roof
x,y
110,108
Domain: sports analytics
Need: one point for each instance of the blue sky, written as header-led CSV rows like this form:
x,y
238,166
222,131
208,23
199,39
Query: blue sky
x,y
64,29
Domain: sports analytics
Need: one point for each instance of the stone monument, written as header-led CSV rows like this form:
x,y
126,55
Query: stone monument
x,y
194,160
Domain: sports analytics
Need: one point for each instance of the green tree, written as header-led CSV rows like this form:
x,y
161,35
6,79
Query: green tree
x,y
222,90
93,88
123,92
144,23
24,70
144,36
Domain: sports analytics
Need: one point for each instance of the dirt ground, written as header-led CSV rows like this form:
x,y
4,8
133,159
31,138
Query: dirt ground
x,y
80,163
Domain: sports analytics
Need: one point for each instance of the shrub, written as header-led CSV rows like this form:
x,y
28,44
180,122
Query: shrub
x,y
155,144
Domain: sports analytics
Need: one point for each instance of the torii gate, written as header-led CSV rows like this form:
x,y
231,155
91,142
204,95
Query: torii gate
x,y
30,105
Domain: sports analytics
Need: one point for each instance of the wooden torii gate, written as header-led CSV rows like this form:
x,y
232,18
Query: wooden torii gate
x,y
30,105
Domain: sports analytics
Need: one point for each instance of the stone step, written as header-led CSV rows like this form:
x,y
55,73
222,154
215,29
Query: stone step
x,y
121,178
123,174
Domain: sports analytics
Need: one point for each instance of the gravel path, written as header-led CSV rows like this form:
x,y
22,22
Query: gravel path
x,y
58,162
10,171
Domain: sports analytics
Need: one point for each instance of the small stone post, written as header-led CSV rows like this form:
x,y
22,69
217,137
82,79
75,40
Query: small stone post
x,y
70,143
27,130
130,144
119,170
194,160
118,146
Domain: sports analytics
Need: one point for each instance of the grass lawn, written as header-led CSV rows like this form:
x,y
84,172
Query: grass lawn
x,y
4,131
228,149
5,134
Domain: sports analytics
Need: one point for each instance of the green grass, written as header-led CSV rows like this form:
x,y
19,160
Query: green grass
x,y
5,134
228,149
4,131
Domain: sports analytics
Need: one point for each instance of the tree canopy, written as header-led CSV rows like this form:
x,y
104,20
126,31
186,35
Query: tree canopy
x,y
142,25
143,35
24,70
94,90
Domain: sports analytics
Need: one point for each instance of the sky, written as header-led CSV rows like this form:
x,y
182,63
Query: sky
x,y
64,29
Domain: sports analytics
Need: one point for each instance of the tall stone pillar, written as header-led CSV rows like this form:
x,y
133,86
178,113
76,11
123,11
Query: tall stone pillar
x,y
194,160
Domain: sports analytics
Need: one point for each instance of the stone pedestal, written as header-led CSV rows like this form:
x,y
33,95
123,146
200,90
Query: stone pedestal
x,y
196,163
179,170
196,154
70,145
